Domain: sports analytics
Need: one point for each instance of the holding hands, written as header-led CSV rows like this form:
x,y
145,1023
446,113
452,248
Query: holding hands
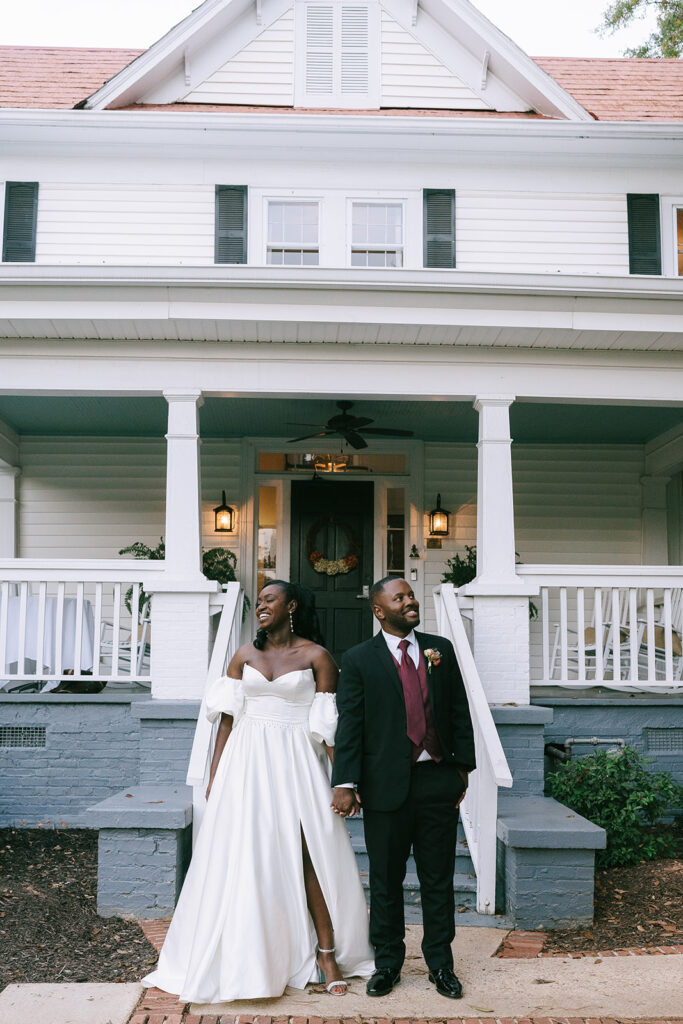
x,y
345,802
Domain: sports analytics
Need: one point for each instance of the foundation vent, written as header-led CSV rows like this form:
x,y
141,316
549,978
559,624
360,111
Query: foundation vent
x,y
23,736
664,741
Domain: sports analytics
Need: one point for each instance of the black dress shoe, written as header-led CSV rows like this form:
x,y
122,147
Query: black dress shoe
x,y
447,983
382,981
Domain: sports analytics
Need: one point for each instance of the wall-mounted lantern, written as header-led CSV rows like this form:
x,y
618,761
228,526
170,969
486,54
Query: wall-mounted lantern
x,y
438,520
224,518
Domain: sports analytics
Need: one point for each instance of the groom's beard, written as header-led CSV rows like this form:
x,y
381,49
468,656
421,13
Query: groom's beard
x,y
401,623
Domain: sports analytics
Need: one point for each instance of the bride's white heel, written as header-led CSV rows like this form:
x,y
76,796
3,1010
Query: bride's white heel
x,y
335,988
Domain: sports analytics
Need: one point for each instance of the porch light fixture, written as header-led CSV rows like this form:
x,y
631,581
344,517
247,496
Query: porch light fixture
x,y
438,520
224,518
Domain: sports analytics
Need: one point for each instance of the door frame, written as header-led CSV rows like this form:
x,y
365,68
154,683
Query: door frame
x,y
412,482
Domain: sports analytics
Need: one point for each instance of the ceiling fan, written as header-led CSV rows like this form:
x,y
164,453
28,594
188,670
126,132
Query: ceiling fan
x,y
350,428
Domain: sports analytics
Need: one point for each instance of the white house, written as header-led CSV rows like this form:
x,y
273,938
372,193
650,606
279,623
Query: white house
x,y
287,211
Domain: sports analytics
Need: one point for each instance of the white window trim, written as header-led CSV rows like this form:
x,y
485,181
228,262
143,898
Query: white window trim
x,y
298,200
359,101
669,206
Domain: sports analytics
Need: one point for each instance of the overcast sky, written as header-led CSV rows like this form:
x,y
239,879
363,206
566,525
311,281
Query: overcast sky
x,y
541,27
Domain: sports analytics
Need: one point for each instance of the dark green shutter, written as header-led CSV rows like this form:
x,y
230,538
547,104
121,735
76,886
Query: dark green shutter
x,y
644,234
439,227
21,218
231,224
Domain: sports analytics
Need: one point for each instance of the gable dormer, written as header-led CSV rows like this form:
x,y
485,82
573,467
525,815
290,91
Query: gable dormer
x,y
339,54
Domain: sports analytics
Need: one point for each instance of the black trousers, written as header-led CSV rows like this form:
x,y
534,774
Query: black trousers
x,y
427,821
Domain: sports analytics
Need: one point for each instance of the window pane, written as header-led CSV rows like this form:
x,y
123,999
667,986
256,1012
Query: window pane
x,y
267,536
396,524
292,223
679,233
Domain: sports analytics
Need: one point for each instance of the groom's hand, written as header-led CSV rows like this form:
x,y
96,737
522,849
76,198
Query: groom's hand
x,y
345,802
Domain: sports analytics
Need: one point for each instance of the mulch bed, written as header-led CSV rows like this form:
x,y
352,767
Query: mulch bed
x,y
49,928
635,906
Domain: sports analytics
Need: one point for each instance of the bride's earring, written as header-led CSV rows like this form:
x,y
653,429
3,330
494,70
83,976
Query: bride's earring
x,y
291,622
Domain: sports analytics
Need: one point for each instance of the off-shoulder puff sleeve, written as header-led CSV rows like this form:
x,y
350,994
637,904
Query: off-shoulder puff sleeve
x,y
224,696
322,719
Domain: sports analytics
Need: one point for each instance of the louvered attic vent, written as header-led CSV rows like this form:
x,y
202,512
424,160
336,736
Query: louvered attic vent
x,y
336,62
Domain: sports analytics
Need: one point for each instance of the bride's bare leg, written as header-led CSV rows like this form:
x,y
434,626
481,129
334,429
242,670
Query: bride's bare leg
x,y
321,919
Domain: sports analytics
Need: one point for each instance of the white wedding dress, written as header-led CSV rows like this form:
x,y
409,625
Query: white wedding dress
x,y
242,929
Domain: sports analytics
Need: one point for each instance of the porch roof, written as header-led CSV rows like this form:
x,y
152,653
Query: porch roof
x,y
341,306
235,417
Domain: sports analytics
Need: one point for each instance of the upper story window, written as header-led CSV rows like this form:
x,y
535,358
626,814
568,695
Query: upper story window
x,y
293,234
337,54
376,234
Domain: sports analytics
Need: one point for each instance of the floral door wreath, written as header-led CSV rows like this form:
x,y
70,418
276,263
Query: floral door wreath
x,y
331,566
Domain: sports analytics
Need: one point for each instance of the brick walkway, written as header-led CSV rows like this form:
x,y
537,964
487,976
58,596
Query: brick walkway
x,y
529,945
141,1017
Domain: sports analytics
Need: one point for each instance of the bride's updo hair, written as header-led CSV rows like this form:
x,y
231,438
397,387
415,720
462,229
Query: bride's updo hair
x,y
305,617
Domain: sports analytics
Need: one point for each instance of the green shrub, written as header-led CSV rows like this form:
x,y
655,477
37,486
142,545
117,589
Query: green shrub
x,y
617,792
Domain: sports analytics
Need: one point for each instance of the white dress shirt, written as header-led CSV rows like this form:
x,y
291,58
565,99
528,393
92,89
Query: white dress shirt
x,y
392,643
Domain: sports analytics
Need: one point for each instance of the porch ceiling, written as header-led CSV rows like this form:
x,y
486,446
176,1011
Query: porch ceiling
x,y
256,417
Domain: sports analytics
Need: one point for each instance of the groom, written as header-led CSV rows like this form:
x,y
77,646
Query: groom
x,y
404,747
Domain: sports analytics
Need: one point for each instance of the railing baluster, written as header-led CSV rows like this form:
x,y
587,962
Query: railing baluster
x,y
78,631
545,631
616,635
97,638
4,608
581,633
564,635
668,638
23,607
116,631
597,618
633,633
59,632
40,632
650,617
134,631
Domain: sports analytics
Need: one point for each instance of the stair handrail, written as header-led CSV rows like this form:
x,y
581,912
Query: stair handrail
x,y
225,645
479,809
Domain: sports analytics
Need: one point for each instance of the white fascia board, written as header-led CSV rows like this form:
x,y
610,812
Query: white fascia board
x,y
292,133
155,65
508,62
123,283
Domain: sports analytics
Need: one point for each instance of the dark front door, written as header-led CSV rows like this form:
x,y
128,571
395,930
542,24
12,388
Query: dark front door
x,y
334,521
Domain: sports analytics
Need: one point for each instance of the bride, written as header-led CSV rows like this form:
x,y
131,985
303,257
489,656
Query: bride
x,y
272,896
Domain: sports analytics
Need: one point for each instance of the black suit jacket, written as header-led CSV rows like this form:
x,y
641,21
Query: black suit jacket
x,y
372,748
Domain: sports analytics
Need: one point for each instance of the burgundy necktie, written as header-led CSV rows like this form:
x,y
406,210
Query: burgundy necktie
x,y
412,691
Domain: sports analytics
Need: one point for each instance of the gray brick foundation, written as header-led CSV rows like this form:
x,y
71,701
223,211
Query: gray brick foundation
x,y
521,731
145,843
166,729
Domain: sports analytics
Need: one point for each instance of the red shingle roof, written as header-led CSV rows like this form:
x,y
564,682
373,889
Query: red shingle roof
x,y
612,89
621,88
56,78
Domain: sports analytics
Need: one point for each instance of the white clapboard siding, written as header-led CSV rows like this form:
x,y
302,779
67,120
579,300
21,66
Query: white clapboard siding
x,y
126,224
535,232
413,77
261,73
88,497
573,505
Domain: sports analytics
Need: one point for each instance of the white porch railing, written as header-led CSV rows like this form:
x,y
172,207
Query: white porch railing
x,y
479,809
619,627
225,645
72,620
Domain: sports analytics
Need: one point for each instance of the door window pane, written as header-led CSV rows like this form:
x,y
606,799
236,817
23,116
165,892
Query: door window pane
x,y
267,536
293,234
679,240
377,235
396,532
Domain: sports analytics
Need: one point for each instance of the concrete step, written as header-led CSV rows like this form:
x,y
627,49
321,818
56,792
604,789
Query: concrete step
x,y
464,879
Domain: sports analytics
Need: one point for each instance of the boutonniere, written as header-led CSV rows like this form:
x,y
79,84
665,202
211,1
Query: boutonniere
x,y
432,657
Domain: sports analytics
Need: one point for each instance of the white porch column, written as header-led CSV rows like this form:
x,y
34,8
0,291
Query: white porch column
x,y
501,598
655,543
180,605
8,510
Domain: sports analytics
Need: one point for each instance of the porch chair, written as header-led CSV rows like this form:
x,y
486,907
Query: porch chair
x,y
659,651
128,652
592,643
